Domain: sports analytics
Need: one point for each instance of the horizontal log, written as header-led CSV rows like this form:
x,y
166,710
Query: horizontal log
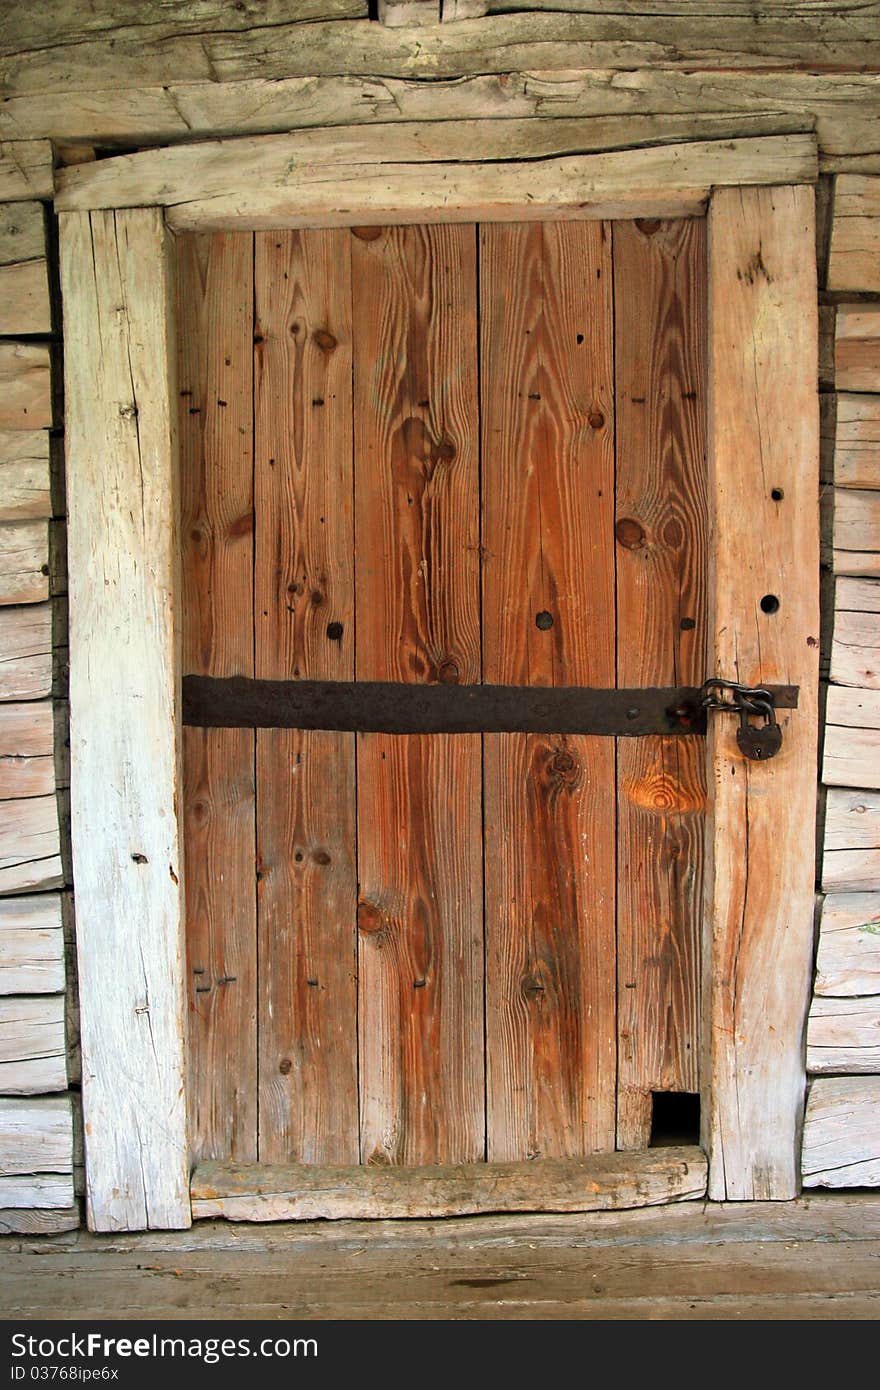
x,y
495,45
36,1136
24,298
857,347
853,708
856,523
857,441
25,170
27,747
843,1035
644,107
30,845
25,392
37,1190
69,21
32,1045
26,652
850,870
857,562
854,258
25,480
250,166
663,181
842,1133
857,595
22,233
848,960
24,562
262,1192
409,14
32,1221
851,757
852,819
855,649
31,945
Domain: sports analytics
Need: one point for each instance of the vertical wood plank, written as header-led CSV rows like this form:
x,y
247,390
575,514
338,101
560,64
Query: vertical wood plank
x,y
308,1097
661,531
418,620
124,700
763,434
548,608
215,290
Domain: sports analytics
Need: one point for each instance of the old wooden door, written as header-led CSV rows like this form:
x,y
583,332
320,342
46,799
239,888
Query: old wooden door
x,y
445,454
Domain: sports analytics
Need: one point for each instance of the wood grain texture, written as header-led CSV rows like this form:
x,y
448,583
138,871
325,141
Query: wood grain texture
x,y
26,652
31,945
124,692
32,1045
409,14
548,601
857,441
22,235
25,397
852,819
24,298
848,960
25,491
855,649
35,1222
305,628
418,621
852,737
24,562
856,528
854,260
214,319
763,434
25,170
36,1136
843,1035
30,845
857,347
600,1182
842,1132
661,513
27,744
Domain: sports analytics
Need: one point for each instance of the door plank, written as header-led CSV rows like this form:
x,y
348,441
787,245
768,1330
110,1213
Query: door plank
x,y
763,435
548,605
662,537
215,291
418,620
308,1107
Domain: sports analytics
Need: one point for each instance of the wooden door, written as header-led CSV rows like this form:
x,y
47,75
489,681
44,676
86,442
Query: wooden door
x,y
442,455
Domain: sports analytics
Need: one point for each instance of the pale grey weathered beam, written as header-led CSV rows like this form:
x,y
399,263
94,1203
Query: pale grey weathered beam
x,y
31,945
26,652
848,961
842,1133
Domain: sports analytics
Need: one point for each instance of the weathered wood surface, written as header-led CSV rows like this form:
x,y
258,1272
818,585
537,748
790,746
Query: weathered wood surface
x,y
842,1133
851,870
214,320
807,1259
855,649
25,170
854,260
547,395
25,492
122,536
759,903
409,14
24,283
662,541
24,1221
857,441
32,1045
848,960
36,1190
852,819
852,737
36,1136
24,562
663,181
31,945
25,399
308,1088
856,535
417,526
843,1035
30,845
22,236
27,739
493,45
857,347
600,1182
26,652
260,168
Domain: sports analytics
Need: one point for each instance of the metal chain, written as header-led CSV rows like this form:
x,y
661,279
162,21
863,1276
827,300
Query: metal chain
x,y
753,699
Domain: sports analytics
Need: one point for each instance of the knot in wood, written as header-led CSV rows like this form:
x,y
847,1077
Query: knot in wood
x,y
370,918
630,533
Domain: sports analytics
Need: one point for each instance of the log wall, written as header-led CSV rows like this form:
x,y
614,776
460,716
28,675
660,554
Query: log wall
x,y
602,75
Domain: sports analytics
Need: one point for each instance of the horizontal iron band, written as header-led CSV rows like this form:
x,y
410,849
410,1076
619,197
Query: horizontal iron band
x,y
387,707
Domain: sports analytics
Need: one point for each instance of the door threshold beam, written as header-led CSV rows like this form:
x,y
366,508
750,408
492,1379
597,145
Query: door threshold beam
x,y
304,1192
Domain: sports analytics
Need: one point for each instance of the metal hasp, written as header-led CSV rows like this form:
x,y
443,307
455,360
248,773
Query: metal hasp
x,y
757,742
395,708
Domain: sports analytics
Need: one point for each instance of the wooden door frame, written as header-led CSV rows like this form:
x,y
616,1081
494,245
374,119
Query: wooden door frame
x,y
119,335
